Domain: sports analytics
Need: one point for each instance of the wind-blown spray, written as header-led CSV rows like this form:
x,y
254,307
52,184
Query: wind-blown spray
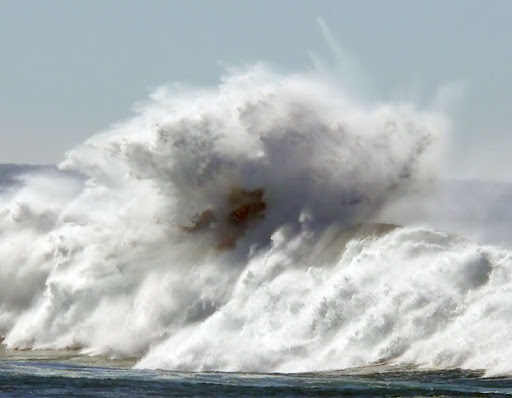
x,y
108,263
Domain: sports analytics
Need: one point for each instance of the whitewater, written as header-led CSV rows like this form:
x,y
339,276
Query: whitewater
x,y
102,257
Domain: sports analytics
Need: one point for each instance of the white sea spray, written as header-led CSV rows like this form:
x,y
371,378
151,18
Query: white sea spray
x,y
102,263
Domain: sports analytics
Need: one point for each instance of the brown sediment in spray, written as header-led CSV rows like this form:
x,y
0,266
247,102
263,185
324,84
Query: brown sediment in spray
x,y
243,207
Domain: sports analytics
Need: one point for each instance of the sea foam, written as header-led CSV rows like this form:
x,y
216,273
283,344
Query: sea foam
x,y
101,259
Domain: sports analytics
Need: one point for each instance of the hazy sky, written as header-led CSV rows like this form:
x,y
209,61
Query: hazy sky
x,y
70,68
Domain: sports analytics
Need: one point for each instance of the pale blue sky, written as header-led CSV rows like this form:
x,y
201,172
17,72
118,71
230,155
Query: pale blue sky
x,y
70,68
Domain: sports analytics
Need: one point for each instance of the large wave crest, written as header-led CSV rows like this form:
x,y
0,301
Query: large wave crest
x,y
111,262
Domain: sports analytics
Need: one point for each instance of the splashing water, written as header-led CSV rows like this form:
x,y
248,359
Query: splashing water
x,y
103,263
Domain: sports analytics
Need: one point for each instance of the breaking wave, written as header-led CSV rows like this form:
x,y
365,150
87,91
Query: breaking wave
x,y
126,255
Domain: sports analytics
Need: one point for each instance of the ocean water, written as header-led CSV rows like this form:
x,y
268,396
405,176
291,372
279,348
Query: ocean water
x,y
273,235
69,375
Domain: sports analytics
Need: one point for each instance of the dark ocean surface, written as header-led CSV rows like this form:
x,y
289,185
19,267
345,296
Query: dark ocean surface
x,y
74,376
